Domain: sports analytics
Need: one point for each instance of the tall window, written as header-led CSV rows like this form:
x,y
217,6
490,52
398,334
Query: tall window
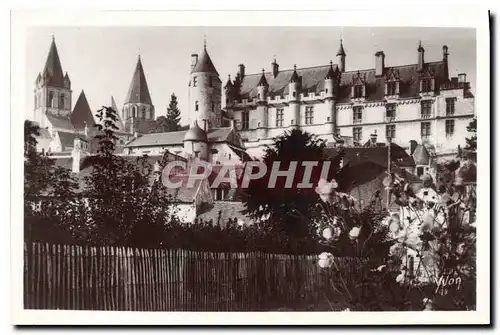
x,y
391,88
61,100
450,127
358,91
279,117
357,133
195,81
390,110
309,115
196,106
450,106
425,109
426,85
143,112
50,102
213,107
357,114
390,131
210,81
134,111
425,129
245,120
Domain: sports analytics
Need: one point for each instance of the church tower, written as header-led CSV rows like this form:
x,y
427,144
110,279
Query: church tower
x,y
137,107
52,90
204,92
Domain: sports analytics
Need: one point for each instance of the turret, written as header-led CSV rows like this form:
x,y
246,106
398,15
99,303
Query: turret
x,y
262,107
196,142
205,91
293,91
341,57
228,97
421,52
329,82
262,88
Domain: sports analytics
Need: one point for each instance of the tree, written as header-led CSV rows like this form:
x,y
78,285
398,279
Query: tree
x,y
48,190
288,209
123,206
471,143
173,114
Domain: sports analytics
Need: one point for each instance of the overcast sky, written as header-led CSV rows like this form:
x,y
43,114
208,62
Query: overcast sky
x,y
101,61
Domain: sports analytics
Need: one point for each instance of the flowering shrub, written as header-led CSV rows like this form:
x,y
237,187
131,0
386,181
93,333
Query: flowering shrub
x,y
428,247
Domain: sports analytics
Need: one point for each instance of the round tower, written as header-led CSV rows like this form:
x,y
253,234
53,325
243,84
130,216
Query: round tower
x,y
196,142
204,92
262,107
330,83
294,95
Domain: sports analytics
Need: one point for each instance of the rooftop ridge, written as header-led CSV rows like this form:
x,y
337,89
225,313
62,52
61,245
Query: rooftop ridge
x,y
335,64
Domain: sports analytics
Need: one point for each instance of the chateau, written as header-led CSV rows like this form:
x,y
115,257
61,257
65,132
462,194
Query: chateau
x,y
233,122
411,102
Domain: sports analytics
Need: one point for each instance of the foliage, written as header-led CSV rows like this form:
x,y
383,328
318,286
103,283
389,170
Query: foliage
x,y
170,122
288,208
44,180
471,142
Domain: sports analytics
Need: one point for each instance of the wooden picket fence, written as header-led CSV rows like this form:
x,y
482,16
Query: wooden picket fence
x,y
129,279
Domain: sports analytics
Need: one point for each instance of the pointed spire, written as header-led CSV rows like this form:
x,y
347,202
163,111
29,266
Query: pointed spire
x,y
204,63
263,81
229,84
331,72
138,90
82,114
420,47
53,69
341,51
295,76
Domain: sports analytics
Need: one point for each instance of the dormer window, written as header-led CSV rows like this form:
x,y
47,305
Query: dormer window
x,y
391,88
426,85
358,88
357,114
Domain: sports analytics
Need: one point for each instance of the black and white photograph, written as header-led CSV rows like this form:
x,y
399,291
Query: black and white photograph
x,y
222,167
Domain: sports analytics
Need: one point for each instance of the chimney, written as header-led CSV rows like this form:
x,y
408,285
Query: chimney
x,y
241,71
421,62
76,155
379,63
276,68
462,77
194,60
413,146
445,53
454,80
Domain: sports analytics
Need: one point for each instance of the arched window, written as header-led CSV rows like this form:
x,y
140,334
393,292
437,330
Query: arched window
x,y
61,100
143,112
50,102
196,106
213,107
134,111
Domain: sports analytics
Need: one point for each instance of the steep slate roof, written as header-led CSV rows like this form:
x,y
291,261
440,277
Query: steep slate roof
x,y
177,137
53,68
204,63
60,122
82,114
312,81
138,90
119,123
68,139
376,154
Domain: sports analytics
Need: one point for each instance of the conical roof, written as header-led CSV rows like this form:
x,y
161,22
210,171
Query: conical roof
x,y
263,81
295,75
229,84
138,90
82,114
195,133
53,68
204,63
118,123
331,73
341,51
